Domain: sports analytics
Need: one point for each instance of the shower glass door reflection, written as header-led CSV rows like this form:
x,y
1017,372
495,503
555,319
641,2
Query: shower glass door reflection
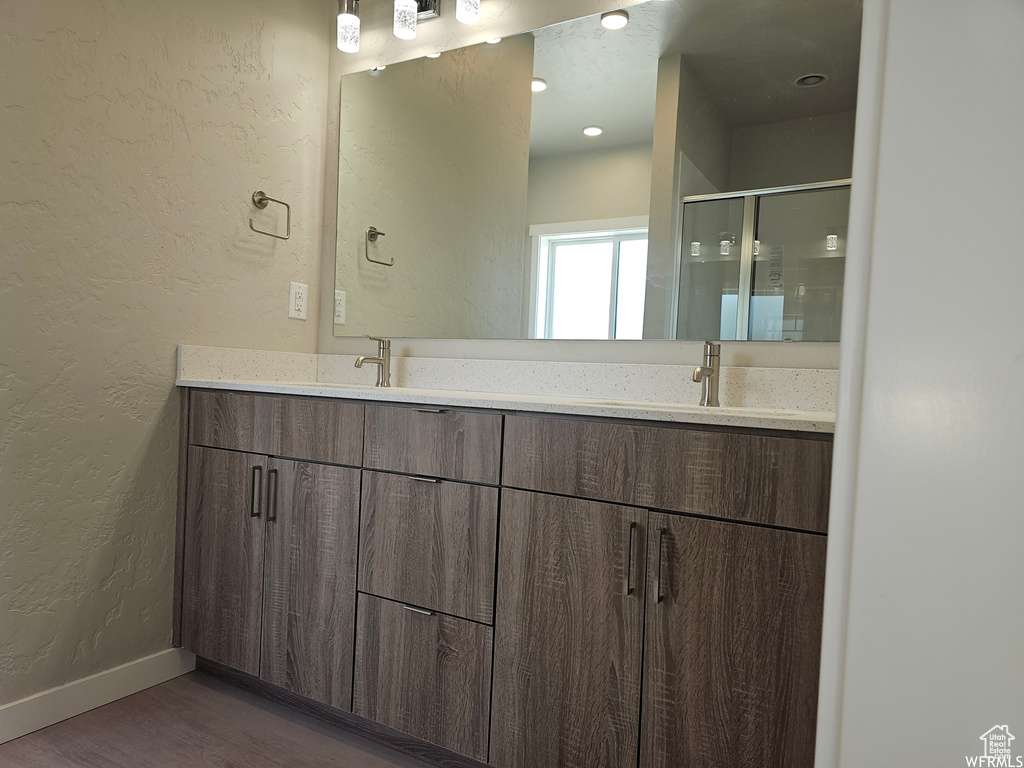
x,y
764,266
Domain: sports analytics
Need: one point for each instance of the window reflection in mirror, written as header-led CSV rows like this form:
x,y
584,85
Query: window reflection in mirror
x,y
506,220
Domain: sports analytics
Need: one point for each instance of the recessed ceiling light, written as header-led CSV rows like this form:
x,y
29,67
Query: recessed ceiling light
x,y
493,40
433,55
809,81
538,85
614,19
593,130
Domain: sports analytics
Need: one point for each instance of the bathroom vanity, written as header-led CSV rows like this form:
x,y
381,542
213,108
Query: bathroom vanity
x,y
494,585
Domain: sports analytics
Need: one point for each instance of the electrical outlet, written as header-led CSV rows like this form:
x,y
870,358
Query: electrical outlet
x,y
297,301
339,307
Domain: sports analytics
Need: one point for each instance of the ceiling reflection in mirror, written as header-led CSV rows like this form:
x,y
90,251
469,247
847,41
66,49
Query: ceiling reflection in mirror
x,y
684,177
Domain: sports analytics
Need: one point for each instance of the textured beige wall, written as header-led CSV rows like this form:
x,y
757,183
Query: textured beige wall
x,y
133,136
585,186
435,153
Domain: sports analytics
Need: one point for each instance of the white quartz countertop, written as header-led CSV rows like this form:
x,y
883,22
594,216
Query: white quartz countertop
x,y
765,398
761,418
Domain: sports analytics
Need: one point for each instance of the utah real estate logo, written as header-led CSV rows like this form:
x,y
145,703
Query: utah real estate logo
x,y
998,750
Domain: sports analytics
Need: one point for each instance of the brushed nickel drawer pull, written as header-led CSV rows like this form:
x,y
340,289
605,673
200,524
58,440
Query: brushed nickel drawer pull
x,y
629,559
418,610
658,596
425,479
431,410
256,505
272,496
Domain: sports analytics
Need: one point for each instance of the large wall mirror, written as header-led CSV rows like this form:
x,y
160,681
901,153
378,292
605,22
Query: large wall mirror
x,y
684,176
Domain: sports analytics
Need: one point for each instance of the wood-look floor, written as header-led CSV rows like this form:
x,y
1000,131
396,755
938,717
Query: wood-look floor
x,y
196,721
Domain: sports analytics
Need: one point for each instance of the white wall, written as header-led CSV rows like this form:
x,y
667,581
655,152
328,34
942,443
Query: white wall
x,y
792,152
928,506
587,186
134,135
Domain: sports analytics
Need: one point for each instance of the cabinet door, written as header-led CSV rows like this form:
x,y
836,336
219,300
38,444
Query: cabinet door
x,y
732,645
424,674
222,593
569,623
310,579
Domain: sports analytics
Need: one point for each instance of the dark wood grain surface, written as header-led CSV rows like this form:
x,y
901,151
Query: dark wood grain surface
x,y
179,516
459,445
310,580
732,650
197,721
429,544
234,421
320,430
567,636
309,429
425,675
222,596
782,481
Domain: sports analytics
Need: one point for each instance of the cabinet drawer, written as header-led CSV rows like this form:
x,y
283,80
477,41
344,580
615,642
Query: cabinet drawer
x,y
769,479
460,445
327,431
429,543
427,675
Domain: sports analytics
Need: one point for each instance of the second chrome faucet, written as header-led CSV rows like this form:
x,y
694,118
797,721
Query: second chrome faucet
x,y
382,360
707,374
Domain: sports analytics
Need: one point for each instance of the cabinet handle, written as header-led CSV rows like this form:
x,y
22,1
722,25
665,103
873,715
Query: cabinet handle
x,y
256,507
418,610
272,496
658,596
431,410
629,559
425,480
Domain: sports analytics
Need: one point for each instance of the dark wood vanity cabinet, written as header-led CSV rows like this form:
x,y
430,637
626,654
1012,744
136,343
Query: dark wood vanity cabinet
x,y
539,591
568,633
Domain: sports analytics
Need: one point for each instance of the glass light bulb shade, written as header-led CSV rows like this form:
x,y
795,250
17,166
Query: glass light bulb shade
x,y
405,19
695,248
348,33
614,19
433,55
538,85
724,247
467,11
593,130
832,242
493,40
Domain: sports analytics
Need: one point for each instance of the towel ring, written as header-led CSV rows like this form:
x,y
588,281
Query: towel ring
x,y
260,200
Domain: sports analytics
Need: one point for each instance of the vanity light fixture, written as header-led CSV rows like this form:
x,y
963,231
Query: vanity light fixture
x,y
493,40
695,249
832,240
348,26
467,11
614,19
724,247
593,130
538,85
405,19
757,247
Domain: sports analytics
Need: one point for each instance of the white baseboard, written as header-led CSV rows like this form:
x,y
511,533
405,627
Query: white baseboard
x,y
30,714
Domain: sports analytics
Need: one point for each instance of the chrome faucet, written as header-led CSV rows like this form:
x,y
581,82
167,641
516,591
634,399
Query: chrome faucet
x,y
383,360
707,375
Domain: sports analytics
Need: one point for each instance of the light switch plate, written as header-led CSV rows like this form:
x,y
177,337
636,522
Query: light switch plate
x,y
339,307
297,301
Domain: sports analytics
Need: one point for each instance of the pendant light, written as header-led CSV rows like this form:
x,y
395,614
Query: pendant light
x,y
467,11
405,19
348,26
